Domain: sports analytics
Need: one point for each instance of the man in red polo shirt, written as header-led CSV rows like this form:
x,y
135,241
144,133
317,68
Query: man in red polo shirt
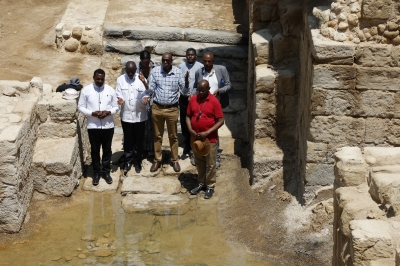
x,y
204,117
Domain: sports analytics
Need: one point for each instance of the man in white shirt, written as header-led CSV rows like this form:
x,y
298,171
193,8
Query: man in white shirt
x,y
188,68
130,91
99,102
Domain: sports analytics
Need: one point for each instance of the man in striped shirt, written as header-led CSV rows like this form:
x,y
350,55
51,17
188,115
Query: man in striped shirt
x,y
166,82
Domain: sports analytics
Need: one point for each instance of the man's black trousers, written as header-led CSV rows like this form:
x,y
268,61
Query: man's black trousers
x,y
101,138
133,141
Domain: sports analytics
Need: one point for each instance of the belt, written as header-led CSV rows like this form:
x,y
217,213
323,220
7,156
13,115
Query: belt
x,y
166,106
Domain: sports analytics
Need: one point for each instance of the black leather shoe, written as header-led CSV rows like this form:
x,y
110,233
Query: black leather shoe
x,y
196,190
209,193
138,167
108,178
96,179
127,167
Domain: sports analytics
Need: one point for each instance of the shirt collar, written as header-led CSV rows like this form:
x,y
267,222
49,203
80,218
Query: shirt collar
x,y
169,73
205,100
211,73
98,88
127,78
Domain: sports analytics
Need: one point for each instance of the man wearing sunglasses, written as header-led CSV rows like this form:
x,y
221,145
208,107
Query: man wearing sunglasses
x,y
166,82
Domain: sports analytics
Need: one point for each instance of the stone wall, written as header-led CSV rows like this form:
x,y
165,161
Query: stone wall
x,y
366,205
354,95
273,89
39,146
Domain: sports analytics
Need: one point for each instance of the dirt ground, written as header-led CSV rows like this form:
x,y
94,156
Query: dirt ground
x,y
27,46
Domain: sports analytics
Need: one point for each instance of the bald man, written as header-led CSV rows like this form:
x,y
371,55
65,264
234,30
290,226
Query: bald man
x,y
130,91
204,117
218,78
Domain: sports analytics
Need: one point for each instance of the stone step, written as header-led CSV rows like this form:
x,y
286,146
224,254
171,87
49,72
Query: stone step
x,y
56,166
150,185
173,34
155,204
381,156
103,186
385,188
177,48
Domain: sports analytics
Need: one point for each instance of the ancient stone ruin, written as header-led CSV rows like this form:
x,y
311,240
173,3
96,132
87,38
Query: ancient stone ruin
x,y
315,105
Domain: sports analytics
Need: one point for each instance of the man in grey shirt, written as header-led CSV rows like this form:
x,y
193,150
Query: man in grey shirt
x,y
188,68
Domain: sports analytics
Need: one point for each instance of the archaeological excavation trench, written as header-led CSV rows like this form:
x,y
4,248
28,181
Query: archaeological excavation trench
x,y
310,169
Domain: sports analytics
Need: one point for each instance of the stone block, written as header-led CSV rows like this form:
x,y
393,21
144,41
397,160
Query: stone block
x,y
18,85
393,132
55,155
213,36
378,10
286,82
350,167
9,174
333,129
123,46
155,204
262,46
320,102
376,130
60,109
52,168
284,47
112,30
11,133
150,185
153,33
373,55
59,29
382,156
265,79
382,262
385,189
316,152
178,48
239,86
77,32
376,103
396,107
267,161
95,46
42,110
56,130
265,105
319,174
149,45
334,77
327,51
378,78
268,12
264,128
370,240
354,203
227,51
103,186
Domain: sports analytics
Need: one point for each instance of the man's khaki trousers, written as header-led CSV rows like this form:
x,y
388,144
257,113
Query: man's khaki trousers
x,y
206,172
161,115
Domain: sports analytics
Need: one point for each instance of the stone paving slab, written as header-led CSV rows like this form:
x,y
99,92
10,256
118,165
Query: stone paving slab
x,y
150,185
155,204
102,186
85,13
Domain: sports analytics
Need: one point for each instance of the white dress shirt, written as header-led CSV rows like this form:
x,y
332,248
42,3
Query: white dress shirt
x,y
212,80
132,92
94,99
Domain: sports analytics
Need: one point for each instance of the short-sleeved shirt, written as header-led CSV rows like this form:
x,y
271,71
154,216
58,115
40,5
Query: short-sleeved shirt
x,y
210,110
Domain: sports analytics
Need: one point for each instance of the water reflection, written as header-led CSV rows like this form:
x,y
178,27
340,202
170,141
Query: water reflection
x,y
93,229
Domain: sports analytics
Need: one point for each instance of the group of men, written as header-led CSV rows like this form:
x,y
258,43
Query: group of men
x,y
193,90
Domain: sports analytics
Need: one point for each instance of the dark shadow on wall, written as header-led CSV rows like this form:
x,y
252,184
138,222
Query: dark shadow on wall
x,y
241,14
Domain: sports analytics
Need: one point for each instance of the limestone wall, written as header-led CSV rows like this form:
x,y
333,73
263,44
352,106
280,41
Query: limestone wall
x,y
39,147
366,205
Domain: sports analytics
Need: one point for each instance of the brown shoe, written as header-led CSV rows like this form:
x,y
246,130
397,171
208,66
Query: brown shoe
x,y
154,167
176,167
